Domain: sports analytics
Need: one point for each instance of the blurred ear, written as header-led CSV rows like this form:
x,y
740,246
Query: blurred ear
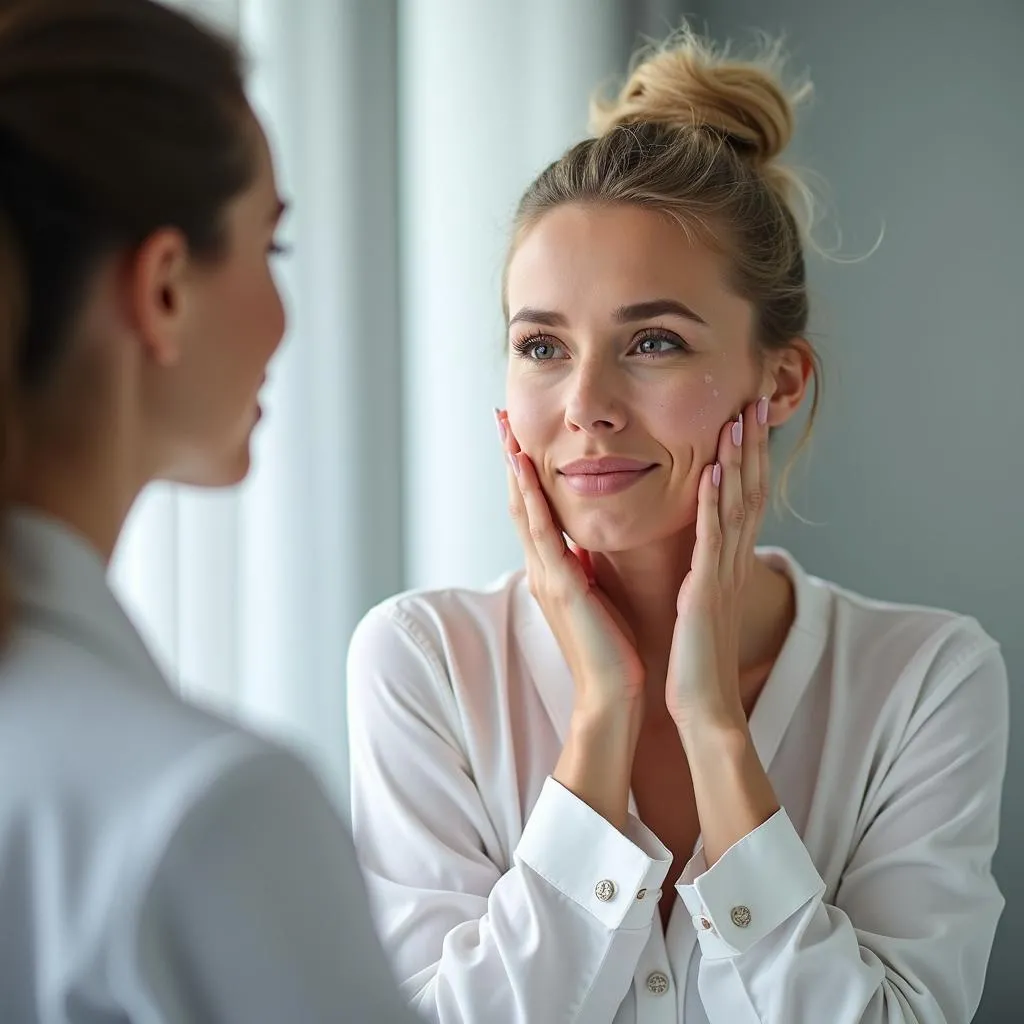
x,y
158,278
787,375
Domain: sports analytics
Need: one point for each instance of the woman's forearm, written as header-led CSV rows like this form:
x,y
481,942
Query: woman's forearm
x,y
733,793
596,763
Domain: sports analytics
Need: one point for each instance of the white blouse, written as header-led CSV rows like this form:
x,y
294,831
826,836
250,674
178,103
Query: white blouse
x,y
157,863
868,898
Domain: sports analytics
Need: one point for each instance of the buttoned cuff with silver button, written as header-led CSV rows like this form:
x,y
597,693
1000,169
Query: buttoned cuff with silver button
x,y
757,884
615,876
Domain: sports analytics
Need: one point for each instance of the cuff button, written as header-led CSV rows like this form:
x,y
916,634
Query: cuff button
x,y
740,916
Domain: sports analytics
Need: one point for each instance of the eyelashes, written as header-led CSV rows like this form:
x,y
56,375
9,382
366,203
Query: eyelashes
x,y
528,345
531,346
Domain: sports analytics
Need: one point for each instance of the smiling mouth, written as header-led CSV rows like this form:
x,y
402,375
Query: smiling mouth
x,y
601,483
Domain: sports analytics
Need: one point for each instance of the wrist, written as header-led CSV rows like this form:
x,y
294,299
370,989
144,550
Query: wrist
x,y
596,763
731,789
609,724
720,737
598,712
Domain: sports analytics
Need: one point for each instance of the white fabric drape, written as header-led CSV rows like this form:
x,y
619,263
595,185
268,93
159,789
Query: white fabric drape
x,y
250,597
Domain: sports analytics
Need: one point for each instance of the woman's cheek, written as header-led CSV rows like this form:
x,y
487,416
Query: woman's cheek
x,y
689,415
530,414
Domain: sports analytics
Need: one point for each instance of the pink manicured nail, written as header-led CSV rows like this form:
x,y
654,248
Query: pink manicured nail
x,y
762,410
737,431
514,463
500,420
716,474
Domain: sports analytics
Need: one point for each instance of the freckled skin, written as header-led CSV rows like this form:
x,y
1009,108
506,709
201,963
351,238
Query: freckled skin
x,y
585,389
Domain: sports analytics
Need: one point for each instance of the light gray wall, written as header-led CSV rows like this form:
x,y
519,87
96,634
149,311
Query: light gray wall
x,y
917,470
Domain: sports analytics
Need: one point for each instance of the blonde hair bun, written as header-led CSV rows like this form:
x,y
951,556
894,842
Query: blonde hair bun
x,y
687,83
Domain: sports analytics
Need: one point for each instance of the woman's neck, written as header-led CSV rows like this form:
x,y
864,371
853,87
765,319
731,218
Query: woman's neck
x,y
644,583
90,492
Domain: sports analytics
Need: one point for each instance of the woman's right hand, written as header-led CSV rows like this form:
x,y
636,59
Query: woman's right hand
x,y
596,643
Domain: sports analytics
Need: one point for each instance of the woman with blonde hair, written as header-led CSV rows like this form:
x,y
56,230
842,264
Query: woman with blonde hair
x,y
816,774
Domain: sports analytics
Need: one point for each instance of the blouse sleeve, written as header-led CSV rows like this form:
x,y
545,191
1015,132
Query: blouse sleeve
x,y
554,935
908,934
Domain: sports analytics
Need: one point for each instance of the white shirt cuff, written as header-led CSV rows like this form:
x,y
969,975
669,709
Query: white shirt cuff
x,y
616,877
755,886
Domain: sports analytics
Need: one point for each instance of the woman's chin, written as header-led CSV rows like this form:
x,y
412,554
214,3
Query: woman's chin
x,y
610,535
225,470
607,538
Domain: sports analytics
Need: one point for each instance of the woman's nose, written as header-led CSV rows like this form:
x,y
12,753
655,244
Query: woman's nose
x,y
595,401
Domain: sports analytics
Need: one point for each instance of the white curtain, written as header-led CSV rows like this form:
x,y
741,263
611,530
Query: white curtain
x,y
490,94
404,131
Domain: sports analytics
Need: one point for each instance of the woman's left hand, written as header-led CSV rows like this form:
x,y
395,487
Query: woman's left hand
x,y
703,686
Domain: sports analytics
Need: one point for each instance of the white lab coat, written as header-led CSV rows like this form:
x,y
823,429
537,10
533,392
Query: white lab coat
x,y
867,899
157,864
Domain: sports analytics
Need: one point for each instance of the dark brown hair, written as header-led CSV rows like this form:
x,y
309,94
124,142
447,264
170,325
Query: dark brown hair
x,y
117,118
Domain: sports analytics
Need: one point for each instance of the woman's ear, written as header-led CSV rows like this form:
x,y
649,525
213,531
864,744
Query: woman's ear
x,y
789,371
157,290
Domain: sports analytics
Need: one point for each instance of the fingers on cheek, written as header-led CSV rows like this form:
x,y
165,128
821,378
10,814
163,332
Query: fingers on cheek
x,y
505,435
725,441
710,492
529,477
709,535
731,442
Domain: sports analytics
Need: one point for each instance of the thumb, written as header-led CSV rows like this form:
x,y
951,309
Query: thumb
x,y
583,557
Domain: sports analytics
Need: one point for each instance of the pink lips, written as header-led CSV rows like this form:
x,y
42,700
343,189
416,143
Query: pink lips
x,y
603,476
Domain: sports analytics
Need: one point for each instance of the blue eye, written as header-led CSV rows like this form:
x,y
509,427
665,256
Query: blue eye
x,y
538,348
659,343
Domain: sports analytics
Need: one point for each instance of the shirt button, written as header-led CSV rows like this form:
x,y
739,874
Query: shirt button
x,y
641,894
605,890
705,924
657,983
740,916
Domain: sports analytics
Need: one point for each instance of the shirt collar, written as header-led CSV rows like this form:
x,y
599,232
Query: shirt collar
x,y
795,666
60,581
